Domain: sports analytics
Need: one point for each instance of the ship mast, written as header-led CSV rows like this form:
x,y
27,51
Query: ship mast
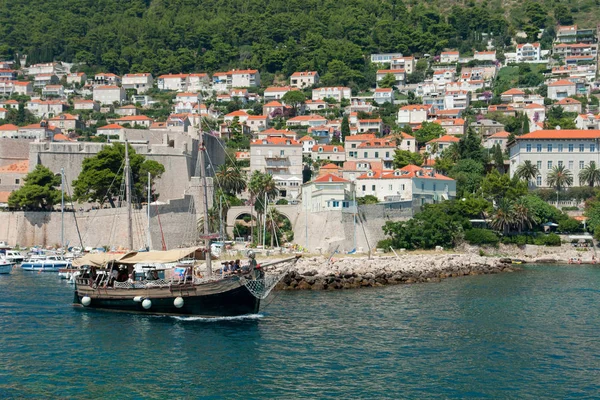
x,y
204,191
128,196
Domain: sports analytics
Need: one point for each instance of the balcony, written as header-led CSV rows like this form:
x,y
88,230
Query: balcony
x,y
276,157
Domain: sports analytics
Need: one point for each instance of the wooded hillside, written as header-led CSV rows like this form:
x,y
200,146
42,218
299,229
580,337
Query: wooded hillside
x,y
275,36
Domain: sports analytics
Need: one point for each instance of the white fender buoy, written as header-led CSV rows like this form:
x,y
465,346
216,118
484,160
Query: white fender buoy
x,y
138,299
146,304
86,301
178,302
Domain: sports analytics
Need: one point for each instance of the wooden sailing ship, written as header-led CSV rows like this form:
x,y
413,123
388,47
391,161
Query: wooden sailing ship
x,y
109,281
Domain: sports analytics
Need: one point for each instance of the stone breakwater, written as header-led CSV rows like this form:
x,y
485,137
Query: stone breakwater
x,y
314,273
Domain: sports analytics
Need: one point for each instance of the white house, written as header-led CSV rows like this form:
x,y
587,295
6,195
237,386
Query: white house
x,y
573,149
241,115
281,158
244,78
562,88
406,63
132,120
275,92
307,144
449,57
328,152
9,131
304,79
529,52
176,82
399,75
410,183
500,138
109,94
588,121
570,105
139,82
307,120
81,104
197,82
76,78
337,93
413,114
383,95
326,193
111,130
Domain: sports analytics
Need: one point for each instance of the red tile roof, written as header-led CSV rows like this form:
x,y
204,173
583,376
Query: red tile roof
x,y
561,134
562,82
8,127
445,138
330,178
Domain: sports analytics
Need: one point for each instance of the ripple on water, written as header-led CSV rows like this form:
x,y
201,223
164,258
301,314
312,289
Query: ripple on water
x,y
531,334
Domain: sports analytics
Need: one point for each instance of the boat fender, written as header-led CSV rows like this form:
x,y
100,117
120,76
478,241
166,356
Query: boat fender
x,y
178,302
146,304
138,299
86,301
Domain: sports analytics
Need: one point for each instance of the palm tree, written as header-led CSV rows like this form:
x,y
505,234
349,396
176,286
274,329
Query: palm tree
x,y
260,185
504,216
590,174
527,171
522,216
231,179
559,178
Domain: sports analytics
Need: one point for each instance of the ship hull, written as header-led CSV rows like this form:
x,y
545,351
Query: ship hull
x,y
214,299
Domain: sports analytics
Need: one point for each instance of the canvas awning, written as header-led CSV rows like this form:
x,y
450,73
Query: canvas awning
x,y
169,256
135,257
97,259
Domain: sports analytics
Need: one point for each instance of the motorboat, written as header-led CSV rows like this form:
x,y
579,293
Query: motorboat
x,y
51,263
6,266
13,256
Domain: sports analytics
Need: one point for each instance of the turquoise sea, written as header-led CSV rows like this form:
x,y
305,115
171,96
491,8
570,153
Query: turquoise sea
x,y
527,335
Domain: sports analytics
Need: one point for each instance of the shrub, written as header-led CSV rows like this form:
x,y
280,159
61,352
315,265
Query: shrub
x,y
569,225
552,239
477,236
384,244
571,208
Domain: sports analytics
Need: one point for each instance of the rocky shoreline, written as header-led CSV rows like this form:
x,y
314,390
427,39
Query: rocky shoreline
x,y
315,273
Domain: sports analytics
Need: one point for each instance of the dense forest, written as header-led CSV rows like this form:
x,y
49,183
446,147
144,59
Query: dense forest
x,y
275,36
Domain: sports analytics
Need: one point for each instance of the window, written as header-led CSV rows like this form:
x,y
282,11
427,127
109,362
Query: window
x,y
373,187
571,165
387,154
17,181
408,143
581,164
571,148
539,165
434,187
539,148
528,147
549,164
581,148
336,204
376,154
560,163
422,186
335,149
402,187
592,148
538,180
365,155
549,147
560,148
364,188
320,149
353,145
281,152
390,187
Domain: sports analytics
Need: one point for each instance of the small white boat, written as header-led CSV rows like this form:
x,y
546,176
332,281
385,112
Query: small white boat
x,y
48,264
14,256
6,266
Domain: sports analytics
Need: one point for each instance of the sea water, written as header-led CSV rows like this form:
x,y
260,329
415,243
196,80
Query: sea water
x,y
529,334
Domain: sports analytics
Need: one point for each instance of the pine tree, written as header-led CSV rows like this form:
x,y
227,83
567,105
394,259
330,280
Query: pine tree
x,y
345,128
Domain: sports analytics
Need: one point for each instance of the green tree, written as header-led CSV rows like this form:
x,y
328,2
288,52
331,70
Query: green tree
x,y
231,180
527,171
294,98
496,186
388,81
428,131
590,174
402,158
345,128
101,175
261,185
38,192
503,217
498,158
368,199
468,175
559,178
